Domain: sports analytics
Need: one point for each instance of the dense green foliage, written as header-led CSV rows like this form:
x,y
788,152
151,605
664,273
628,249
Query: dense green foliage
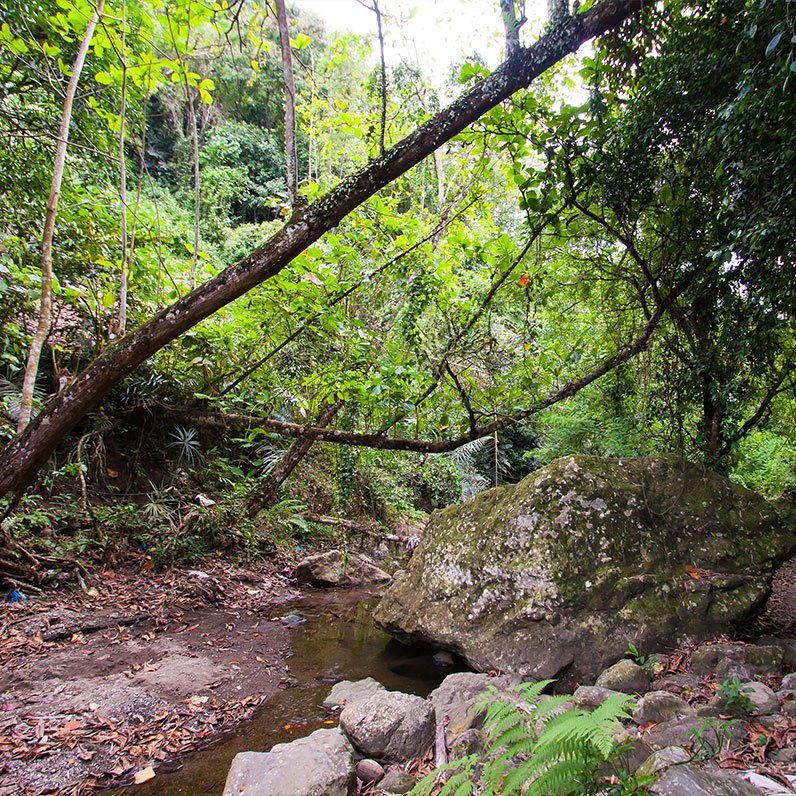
x,y
470,290
536,746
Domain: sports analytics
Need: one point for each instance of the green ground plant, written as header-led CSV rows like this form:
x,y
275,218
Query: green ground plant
x,y
537,747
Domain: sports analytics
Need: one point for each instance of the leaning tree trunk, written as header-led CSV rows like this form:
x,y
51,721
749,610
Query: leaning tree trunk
x,y
265,495
21,460
46,302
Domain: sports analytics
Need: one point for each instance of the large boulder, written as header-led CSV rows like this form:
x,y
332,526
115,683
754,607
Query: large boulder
x,y
336,568
560,572
321,764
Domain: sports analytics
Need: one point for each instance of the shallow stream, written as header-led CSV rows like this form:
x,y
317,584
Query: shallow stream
x,y
337,641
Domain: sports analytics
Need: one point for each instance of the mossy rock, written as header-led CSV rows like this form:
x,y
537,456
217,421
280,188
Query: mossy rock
x,y
560,572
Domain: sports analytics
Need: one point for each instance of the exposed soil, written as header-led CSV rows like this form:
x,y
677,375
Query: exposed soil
x,y
98,686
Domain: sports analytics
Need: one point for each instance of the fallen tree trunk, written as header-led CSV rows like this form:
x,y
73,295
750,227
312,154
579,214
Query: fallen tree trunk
x,y
21,460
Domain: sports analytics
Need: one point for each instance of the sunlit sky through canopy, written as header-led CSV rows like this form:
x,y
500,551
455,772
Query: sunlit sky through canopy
x,y
430,33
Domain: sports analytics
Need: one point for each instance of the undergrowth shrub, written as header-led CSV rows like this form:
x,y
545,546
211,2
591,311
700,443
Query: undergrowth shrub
x,y
536,747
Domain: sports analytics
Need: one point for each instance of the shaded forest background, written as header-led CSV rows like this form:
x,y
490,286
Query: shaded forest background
x,y
602,264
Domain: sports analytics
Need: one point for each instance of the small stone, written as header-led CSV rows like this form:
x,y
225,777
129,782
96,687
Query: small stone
x,y
470,742
660,706
397,782
347,692
625,676
663,758
789,682
590,697
443,659
369,771
762,697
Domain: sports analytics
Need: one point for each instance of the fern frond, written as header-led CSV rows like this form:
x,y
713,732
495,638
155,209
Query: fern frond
x,y
461,769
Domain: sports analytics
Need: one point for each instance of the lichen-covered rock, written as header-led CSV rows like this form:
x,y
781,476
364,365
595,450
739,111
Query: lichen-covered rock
x,y
660,706
663,758
455,700
335,568
390,725
625,676
319,765
561,571
720,658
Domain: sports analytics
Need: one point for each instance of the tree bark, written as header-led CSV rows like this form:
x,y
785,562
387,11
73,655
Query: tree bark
x,y
266,494
46,301
21,460
291,153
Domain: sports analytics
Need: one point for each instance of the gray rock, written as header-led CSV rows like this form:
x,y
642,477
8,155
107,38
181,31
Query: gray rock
x,y
753,658
663,758
689,780
702,734
335,568
762,697
660,706
390,725
554,576
625,676
369,771
319,765
789,682
456,697
346,692
397,782
590,697
680,683
788,647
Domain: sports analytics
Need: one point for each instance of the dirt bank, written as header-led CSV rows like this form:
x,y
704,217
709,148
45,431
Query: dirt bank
x,y
99,685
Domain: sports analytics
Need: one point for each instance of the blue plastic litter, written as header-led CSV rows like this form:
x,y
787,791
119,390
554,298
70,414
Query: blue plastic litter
x,y
15,596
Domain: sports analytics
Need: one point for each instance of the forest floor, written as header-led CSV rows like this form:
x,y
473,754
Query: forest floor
x,y
98,685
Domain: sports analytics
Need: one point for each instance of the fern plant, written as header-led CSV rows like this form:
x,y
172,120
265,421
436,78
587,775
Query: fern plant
x,y
535,747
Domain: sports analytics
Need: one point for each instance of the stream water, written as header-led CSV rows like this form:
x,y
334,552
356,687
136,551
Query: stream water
x,y
338,641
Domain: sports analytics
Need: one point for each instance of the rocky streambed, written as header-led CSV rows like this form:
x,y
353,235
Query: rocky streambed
x,y
685,735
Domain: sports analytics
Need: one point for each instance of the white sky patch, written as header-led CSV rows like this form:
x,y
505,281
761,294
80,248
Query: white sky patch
x,y
434,34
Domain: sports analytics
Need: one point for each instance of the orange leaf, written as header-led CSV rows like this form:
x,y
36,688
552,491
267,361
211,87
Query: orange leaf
x,y
523,280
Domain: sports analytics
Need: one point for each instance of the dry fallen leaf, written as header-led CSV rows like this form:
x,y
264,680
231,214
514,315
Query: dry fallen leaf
x,y
144,775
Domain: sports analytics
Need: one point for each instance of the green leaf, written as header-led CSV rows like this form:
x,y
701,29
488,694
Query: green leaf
x,y
103,78
300,42
772,45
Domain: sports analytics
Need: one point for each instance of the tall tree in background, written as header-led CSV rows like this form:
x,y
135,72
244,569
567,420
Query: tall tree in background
x,y
21,460
45,305
291,153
